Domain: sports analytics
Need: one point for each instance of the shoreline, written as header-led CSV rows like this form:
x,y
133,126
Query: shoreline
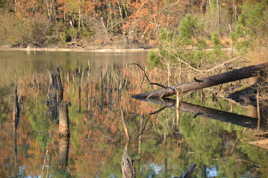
x,y
104,50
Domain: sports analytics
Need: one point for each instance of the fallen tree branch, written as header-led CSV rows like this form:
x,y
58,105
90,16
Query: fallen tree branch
x,y
147,78
237,74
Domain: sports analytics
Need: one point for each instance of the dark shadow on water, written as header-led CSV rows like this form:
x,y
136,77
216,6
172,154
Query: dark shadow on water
x,y
236,119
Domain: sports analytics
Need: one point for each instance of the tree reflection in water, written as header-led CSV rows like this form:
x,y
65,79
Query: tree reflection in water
x,y
97,139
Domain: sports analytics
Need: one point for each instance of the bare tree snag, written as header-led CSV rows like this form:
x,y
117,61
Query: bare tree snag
x,y
16,109
55,94
64,128
127,167
64,135
64,144
16,118
237,74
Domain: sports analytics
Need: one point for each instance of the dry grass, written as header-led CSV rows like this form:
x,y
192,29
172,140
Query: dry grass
x,y
258,55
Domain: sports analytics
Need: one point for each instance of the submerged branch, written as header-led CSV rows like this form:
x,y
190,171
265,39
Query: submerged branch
x,y
215,114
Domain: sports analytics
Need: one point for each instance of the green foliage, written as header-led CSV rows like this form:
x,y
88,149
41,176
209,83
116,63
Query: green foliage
x,y
189,26
39,122
201,44
3,4
12,29
164,126
37,31
39,27
71,34
215,39
165,35
22,32
205,142
251,25
61,173
187,43
86,33
253,17
4,106
254,153
257,156
72,6
153,59
75,124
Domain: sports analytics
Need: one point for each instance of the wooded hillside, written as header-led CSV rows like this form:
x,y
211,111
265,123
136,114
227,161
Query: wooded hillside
x,y
121,22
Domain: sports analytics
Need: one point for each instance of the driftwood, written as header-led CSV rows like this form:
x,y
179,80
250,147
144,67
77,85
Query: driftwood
x,y
236,119
237,74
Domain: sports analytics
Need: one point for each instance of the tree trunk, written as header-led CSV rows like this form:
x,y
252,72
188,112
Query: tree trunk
x,y
127,167
238,74
16,109
55,94
64,135
64,144
64,129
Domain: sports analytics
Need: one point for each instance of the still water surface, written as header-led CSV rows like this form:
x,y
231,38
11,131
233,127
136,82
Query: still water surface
x,y
98,87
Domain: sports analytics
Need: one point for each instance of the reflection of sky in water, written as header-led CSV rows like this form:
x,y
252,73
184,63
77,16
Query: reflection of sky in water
x,y
112,176
154,170
21,173
211,172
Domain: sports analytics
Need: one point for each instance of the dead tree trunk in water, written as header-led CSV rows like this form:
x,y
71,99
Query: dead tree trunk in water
x,y
16,109
16,118
55,94
128,170
127,167
238,74
64,135
64,144
64,129
81,75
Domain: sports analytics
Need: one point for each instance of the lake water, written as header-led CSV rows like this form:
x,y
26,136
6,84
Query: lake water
x,y
108,130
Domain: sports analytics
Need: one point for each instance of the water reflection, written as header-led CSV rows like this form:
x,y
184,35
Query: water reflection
x,y
93,144
197,110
